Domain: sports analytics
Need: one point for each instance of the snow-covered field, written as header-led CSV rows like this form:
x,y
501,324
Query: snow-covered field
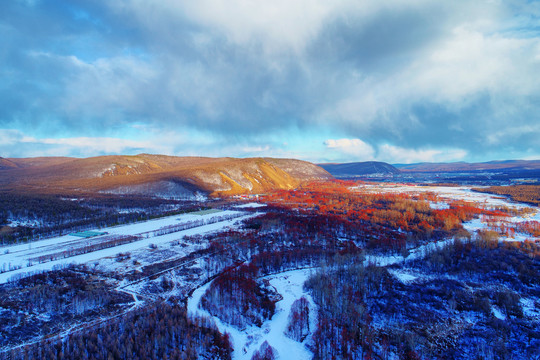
x,y
449,193
16,260
290,285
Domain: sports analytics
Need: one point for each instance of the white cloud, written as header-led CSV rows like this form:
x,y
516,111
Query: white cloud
x,y
352,150
185,142
93,145
10,137
15,143
277,23
420,75
514,133
470,62
476,58
256,149
356,148
275,26
395,154
106,85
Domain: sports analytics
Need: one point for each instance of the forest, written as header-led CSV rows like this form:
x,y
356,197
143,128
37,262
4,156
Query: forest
x,y
160,331
365,312
41,304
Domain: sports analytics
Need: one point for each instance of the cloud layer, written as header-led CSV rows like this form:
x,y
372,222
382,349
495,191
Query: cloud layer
x,y
349,80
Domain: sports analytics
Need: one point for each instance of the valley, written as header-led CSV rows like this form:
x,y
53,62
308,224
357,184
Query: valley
x,y
382,244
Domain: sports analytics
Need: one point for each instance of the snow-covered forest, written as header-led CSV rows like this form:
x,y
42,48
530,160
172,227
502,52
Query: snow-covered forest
x,y
330,270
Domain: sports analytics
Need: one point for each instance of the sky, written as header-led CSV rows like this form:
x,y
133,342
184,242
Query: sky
x,y
324,81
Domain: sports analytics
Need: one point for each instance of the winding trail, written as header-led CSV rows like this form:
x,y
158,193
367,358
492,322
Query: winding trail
x,y
290,285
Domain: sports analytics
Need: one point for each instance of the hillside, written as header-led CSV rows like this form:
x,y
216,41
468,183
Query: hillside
x,y
150,174
37,161
360,169
7,164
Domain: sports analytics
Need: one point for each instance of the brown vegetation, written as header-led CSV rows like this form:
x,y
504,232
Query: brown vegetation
x,y
522,193
390,219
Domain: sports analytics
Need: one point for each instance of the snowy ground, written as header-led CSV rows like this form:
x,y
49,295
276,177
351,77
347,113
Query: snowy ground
x,y
290,285
14,260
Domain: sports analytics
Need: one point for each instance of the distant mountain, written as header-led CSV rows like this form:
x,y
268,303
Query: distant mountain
x,y
497,166
151,174
360,168
35,161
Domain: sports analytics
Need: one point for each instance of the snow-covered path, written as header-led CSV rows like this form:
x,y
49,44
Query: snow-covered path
x,y
290,285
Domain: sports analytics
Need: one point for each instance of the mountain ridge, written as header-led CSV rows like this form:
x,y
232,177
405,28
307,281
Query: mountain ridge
x,y
360,168
123,173
496,165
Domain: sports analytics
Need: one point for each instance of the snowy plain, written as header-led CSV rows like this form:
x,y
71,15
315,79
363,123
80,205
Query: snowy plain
x,y
14,259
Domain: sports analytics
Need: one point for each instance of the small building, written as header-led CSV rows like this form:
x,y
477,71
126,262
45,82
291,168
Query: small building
x,y
88,234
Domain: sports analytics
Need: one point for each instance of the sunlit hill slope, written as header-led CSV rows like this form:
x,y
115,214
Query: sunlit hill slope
x,y
145,174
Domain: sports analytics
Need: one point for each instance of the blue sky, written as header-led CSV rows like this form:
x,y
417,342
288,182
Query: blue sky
x,y
396,81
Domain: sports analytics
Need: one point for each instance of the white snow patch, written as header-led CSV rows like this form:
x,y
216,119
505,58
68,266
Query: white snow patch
x,y
531,307
464,193
417,253
474,225
251,205
383,260
27,223
498,313
439,205
403,276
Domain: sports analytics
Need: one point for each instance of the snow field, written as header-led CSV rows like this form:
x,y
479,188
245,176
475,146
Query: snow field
x,y
449,193
417,253
441,205
289,284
